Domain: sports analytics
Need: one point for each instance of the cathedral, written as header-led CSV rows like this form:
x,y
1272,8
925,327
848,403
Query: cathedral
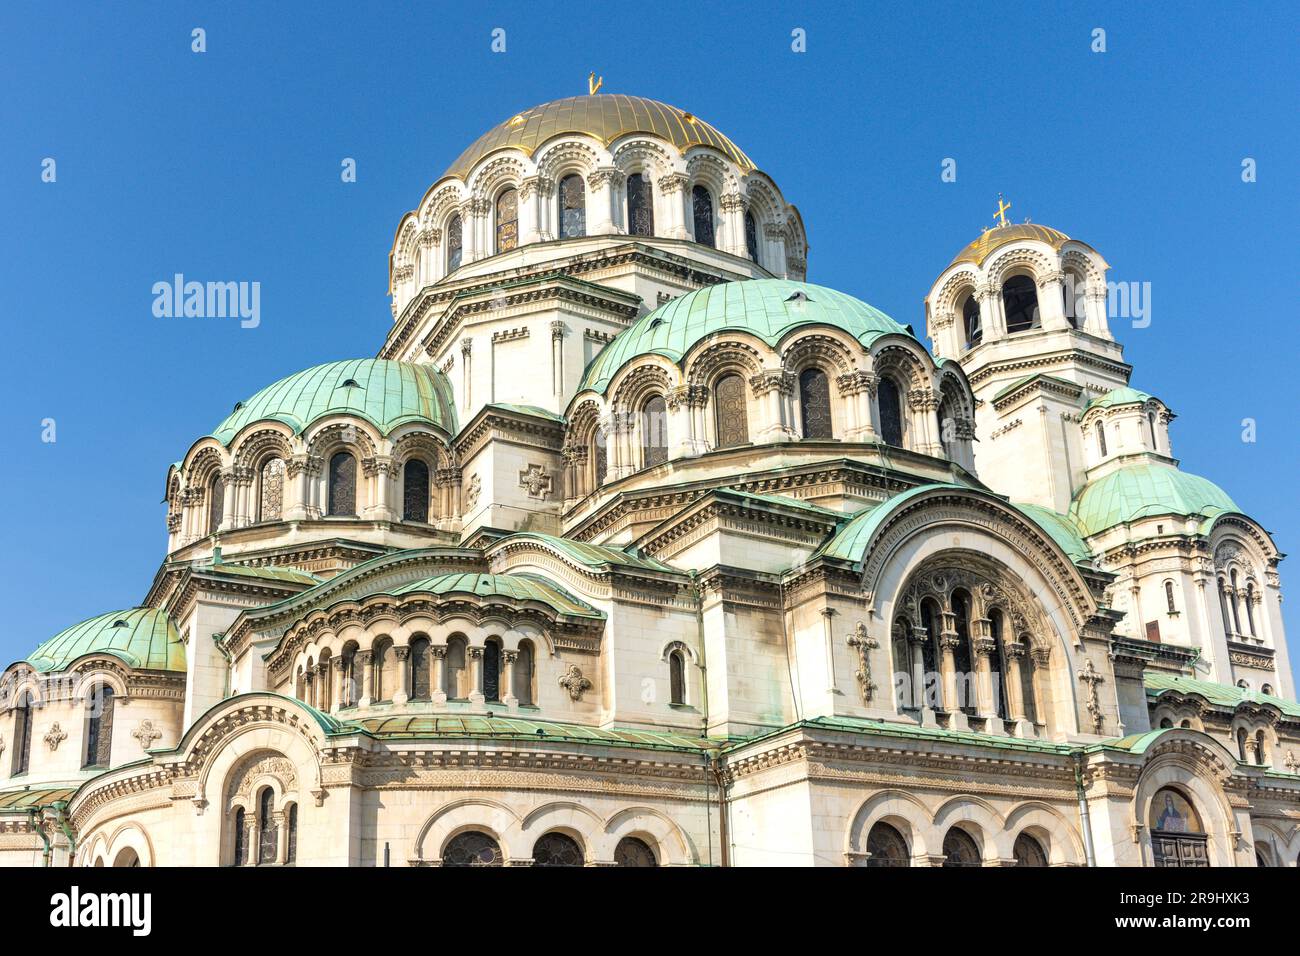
x,y
632,547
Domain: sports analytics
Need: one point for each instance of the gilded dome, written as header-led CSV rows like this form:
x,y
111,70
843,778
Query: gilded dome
x,y
384,392
767,308
604,116
999,236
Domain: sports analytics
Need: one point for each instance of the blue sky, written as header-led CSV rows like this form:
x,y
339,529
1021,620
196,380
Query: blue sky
x,y
225,166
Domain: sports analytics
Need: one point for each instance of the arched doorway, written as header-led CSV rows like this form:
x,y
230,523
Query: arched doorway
x,y
1177,836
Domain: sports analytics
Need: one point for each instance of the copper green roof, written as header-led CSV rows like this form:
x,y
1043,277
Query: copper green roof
x,y
515,728
512,587
762,307
1146,490
1119,396
143,638
589,555
20,801
384,392
604,117
1061,528
1217,695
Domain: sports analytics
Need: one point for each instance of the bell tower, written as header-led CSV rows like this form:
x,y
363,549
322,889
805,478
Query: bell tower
x,y
1023,309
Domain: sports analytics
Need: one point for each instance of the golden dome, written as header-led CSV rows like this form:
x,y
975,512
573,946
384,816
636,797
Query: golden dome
x,y
999,236
605,116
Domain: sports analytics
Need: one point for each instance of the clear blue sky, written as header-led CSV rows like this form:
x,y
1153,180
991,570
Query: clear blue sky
x,y
225,166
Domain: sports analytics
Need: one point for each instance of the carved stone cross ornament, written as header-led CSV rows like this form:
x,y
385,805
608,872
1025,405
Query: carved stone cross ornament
x,y
573,681
56,736
146,733
535,481
863,643
1090,677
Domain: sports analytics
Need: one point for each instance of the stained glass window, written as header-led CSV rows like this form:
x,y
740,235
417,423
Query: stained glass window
x,y
730,412
676,678
343,485
241,850
556,849
507,220
454,243
654,432
472,848
970,314
271,496
887,847
420,669
216,504
959,849
415,491
751,236
492,670
291,852
891,413
815,403
640,206
573,207
1029,852
268,834
524,674
702,211
23,735
633,852
1020,303
99,727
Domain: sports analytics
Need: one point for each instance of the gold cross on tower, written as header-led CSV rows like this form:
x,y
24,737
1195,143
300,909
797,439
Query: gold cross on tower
x,y
594,83
1001,214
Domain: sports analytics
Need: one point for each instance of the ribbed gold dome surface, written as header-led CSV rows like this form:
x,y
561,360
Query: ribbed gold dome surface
x,y
981,248
604,116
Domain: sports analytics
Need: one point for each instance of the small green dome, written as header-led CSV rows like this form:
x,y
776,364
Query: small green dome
x,y
1144,491
1119,396
767,308
384,392
142,637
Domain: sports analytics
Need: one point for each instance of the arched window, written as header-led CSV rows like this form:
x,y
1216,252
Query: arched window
x,y
654,432
1071,289
971,321
22,759
601,455
891,412
454,670
349,698
995,664
1261,754
677,677
960,849
385,667
961,656
1151,424
343,485
557,849
524,676
633,852
815,403
420,668
1267,689
886,847
573,207
1250,608
270,492
241,834
99,727
1101,439
324,681
930,689
1177,837
1236,604
472,848
1028,851
1169,597
1223,607
1166,723
1020,303
1242,737
291,851
751,237
507,220
702,215
216,504
455,244
415,491
901,658
729,411
492,669
268,834
640,206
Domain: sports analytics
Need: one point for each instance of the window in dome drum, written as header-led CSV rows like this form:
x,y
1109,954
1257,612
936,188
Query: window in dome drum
x,y
507,220
343,485
573,208
729,401
415,491
271,496
891,413
702,209
815,403
654,432
640,206
454,244
751,236
1020,303
216,504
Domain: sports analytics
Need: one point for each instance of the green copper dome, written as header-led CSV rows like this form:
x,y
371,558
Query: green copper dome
x,y
143,638
384,392
767,308
512,587
1119,396
1144,491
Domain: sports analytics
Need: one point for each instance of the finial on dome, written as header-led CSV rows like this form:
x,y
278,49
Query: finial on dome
x,y
1001,214
594,83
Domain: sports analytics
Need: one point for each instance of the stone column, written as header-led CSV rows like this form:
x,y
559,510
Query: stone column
x,y
250,839
1095,301
438,692
367,661
1015,654
1051,305
528,212
775,256
991,322
511,697
732,209
474,657
684,436
673,189
858,389
466,379
380,470
308,688
924,403
948,642
337,696
557,359
281,820
772,387
916,640
402,654
322,685
604,184
985,647
228,499
1040,656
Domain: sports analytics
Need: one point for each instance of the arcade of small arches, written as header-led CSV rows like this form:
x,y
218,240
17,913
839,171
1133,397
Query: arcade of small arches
x,y
730,395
